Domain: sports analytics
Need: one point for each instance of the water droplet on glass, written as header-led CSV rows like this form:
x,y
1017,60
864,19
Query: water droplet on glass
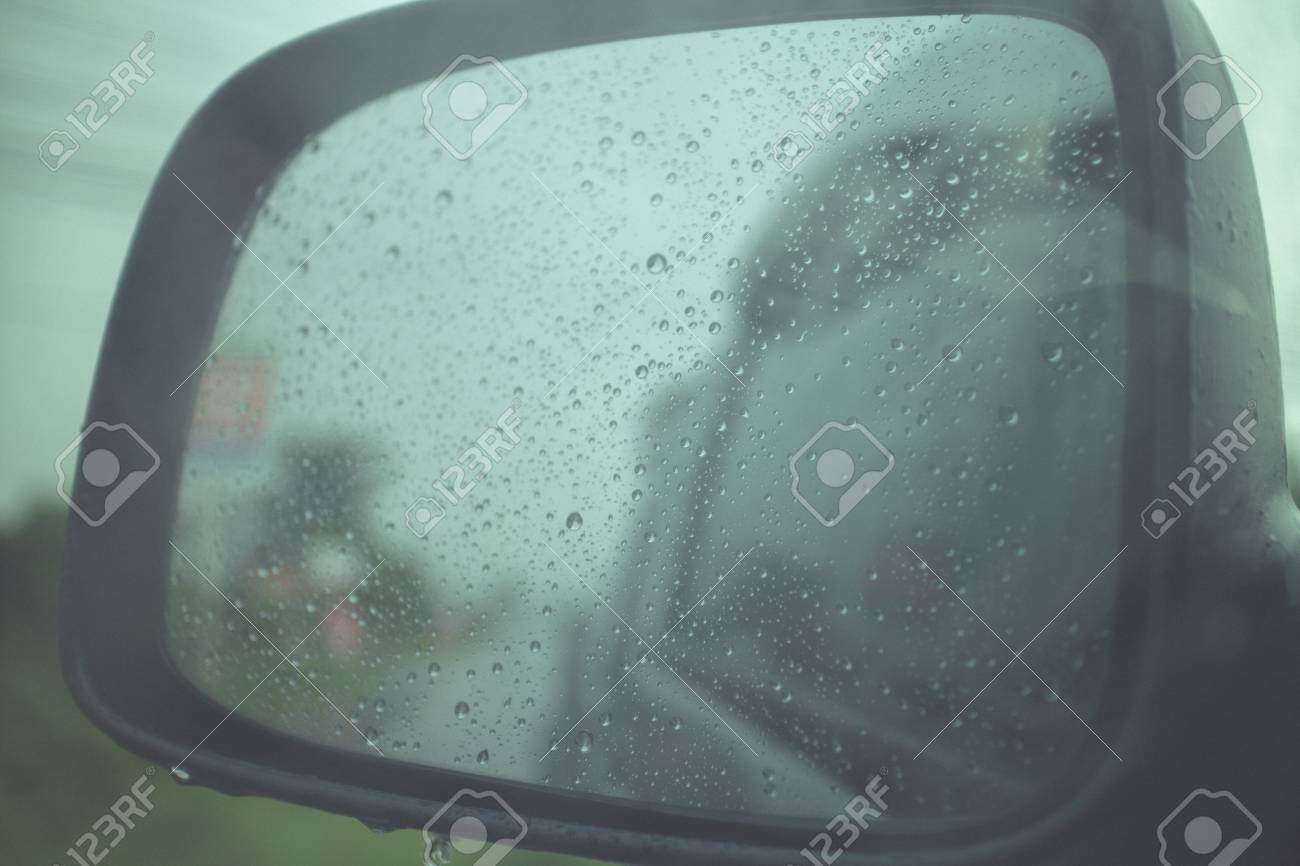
x,y
439,851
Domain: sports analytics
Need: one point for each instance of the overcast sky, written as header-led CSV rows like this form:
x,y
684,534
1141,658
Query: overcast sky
x,y
65,234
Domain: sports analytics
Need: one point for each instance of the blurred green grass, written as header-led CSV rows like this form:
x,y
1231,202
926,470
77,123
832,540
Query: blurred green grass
x,y
58,773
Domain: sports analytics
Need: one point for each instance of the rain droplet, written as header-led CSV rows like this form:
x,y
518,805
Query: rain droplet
x,y
573,521
656,263
585,740
462,710
440,851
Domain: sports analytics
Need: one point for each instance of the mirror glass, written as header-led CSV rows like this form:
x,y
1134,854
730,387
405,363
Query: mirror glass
x,y
696,352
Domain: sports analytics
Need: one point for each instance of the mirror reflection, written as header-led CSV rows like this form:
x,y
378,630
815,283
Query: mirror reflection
x,y
645,451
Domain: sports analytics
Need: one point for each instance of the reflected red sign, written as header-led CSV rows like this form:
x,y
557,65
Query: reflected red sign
x,y
232,401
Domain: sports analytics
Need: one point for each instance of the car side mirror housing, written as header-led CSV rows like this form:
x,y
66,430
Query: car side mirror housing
x,y
187,446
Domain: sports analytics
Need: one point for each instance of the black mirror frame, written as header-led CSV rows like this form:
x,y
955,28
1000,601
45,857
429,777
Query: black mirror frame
x,y
163,317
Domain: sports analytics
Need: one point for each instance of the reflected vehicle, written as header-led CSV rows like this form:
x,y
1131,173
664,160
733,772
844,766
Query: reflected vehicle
x,y
703,416
838,649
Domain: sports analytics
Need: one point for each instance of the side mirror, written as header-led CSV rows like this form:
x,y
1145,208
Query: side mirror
x,y
602,429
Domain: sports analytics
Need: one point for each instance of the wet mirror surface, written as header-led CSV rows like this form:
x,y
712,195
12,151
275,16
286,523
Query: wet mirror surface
x,y
688,442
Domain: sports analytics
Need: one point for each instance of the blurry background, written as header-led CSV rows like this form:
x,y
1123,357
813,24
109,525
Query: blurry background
x,y
65,235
